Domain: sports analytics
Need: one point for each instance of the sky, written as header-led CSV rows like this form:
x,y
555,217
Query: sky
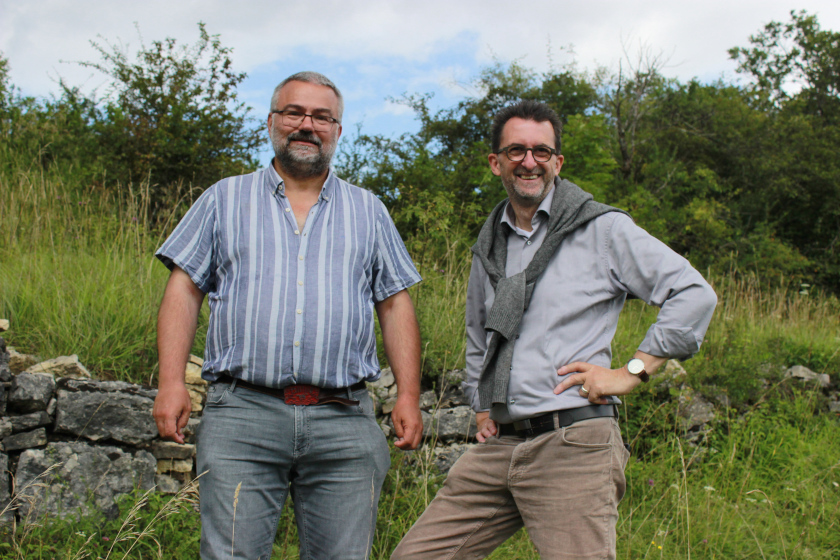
x,y
376,51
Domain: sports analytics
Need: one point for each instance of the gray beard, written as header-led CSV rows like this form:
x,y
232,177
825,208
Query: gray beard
x,y
525,199
302,166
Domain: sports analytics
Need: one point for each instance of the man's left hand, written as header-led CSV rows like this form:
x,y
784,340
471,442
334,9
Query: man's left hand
x,y
596,382
408,424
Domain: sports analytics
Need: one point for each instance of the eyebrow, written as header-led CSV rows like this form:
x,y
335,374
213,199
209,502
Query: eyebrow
x,y
296,107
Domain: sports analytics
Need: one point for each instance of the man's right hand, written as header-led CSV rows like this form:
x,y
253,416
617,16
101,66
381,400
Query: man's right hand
x,y
172,411
486,427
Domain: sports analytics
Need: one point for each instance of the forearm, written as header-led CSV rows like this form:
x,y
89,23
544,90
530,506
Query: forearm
x,y
401,337
177,323
652,363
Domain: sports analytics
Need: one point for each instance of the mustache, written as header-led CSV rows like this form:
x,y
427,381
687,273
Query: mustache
x,y
304,136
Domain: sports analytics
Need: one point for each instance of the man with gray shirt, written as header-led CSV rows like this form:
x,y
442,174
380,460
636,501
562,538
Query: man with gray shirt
x,y
294,262
550,274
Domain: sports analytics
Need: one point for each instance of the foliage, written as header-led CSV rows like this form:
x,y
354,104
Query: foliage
x,y
170,118
796,65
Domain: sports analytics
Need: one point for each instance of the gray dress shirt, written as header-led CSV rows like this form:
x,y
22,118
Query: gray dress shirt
x,y
574,310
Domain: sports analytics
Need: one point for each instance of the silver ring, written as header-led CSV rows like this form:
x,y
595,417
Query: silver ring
x,y
584,390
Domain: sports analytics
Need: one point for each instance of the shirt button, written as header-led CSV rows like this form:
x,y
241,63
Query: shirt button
x,y
288,209
301,257
299,311
528,242
300,282
512,401
297,232
297,343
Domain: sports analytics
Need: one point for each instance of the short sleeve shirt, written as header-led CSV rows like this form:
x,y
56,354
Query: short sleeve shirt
x,y
290,305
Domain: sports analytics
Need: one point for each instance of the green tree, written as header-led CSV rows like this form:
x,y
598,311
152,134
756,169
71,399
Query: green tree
x,y
795,64
170,115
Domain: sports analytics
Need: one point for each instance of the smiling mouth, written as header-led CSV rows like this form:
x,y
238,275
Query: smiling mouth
x,y
530,176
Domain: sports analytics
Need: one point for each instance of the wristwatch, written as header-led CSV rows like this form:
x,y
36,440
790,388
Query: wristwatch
x,y
637,367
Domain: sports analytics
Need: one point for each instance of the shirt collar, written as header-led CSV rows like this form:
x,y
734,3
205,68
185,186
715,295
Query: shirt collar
x,y
542,213
274,182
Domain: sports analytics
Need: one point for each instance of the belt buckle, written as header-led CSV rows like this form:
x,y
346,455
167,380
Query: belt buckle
x,y
301,394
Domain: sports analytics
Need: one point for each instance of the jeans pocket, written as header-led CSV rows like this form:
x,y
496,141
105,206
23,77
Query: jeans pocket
x,y
217,394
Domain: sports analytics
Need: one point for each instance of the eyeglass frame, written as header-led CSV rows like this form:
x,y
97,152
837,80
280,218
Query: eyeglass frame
x,y
504,150
332,120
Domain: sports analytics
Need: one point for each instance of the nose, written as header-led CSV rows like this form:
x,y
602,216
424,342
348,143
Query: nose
x,y
303,124
529,161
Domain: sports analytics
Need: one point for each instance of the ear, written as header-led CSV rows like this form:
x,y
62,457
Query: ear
x,y
559,164
494,164
339,133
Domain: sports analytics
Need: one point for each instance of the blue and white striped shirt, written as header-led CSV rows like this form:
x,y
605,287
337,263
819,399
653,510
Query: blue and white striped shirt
x,y
290,306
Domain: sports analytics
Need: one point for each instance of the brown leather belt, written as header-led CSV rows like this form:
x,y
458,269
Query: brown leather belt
x,y
554,420
301,394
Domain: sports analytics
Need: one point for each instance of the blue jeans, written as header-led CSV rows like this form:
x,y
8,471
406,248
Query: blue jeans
x,y
255,448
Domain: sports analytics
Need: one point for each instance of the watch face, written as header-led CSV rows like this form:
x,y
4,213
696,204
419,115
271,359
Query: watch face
x,y
635,366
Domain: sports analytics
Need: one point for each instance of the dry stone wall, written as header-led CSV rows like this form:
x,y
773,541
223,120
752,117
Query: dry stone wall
x,y
75,444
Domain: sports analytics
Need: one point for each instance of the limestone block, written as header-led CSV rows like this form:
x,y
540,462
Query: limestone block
x,y
451,424
428,400
63,366
191,430
6,427
193,371
31,392
446,456
694,410
103,410
807,376
172,450
167,485
673,375
5,357
85,478
4,325
454,377
5,490
20,362
174,465
386,379
388,405
30,421
454,396
25,440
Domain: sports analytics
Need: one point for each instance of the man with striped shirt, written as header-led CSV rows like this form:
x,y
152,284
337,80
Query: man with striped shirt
x,y
294,262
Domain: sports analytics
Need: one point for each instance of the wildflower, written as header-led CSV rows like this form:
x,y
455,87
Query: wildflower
x,y
81,533
651,482
105,539
709,488
134,218
704,541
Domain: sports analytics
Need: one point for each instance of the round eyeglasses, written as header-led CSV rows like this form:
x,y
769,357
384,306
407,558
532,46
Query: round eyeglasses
x,y
515,152
294,119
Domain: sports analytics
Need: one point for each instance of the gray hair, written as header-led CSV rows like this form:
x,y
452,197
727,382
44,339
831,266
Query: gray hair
x,y
310,78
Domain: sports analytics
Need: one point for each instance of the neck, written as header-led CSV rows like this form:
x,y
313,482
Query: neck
x,y
522,215
300,184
